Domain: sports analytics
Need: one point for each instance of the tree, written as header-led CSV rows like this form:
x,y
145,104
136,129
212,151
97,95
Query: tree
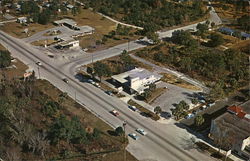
x,y
183,38
119,131
212,24
5,59
194,101
199,120
101,69
153,36
90,71
215,40
202,28
157,109
184,105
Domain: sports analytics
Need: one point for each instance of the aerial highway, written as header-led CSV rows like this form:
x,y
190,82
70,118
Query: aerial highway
x,y
160,144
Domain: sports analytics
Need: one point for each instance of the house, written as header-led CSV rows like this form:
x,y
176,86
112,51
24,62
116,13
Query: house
x,y
231,131
68,23
69,6
22,20
245,36
136,80
226,31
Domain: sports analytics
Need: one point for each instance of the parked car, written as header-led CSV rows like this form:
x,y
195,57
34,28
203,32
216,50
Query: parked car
x,y
90,81
168,114
39,63
133,108
65,80
134,136
115,113
189,116
141,131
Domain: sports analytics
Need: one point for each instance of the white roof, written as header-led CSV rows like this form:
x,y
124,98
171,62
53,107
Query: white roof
x,y
66,20
86,28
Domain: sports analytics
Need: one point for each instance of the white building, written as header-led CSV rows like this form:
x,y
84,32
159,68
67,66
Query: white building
x,y
22,20
69,44
136,80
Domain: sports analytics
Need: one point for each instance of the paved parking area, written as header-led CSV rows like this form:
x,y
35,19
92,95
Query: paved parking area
x,y
173,94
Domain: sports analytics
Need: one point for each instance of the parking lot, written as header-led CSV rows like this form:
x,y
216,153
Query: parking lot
x,y
173,95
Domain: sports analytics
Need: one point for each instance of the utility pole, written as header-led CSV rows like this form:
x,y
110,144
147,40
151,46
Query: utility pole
x,y
124,125
128,44
75,95
39,76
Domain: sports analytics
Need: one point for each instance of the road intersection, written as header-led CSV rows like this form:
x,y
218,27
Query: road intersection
x,y
163,141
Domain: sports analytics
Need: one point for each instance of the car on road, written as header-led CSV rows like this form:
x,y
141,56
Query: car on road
x,y
115,113
39,63
109,93
65,80
133,108
141,131
134,136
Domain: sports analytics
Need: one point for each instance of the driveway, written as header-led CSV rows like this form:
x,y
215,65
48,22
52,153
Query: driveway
x,y
173,94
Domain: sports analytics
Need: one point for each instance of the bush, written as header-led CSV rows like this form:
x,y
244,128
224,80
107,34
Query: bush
x,y
5,59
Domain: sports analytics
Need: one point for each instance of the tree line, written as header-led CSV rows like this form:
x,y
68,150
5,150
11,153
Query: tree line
x,y
152,15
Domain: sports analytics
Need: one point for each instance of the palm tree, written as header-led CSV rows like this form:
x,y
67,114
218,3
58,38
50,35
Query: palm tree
x,y
199,120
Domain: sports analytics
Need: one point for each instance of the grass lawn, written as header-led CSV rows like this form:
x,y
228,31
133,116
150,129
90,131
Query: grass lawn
x,y
102,27
17,30
42,42
145,111
171,79
242,46
230,13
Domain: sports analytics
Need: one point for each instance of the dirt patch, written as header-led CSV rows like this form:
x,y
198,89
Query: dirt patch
x,y
171,79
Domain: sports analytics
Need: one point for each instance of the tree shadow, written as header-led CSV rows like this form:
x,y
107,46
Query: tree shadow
x,y
112,133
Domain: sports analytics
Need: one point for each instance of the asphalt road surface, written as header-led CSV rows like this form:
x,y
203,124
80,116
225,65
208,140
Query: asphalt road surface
x,y
160,144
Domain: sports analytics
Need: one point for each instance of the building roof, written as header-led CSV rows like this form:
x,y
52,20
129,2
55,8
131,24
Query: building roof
x,y
225,29
70,6
67,21
137,73
86,29
245,35
68,42
236,124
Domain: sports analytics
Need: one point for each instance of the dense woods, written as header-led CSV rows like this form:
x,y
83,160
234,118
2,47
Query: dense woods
x,y
35,126
150,14
224,71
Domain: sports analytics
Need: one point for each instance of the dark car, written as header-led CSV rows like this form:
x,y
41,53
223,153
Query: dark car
x,y
65,80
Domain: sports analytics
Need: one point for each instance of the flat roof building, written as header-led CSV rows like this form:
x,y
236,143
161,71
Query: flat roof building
x,y
137,80
232,130
69,44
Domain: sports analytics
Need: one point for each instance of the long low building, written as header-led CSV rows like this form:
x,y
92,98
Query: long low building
x,y
136,80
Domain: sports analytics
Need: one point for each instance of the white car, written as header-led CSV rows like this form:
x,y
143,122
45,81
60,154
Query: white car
x,y
39,63
141,131
134,136
115,113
